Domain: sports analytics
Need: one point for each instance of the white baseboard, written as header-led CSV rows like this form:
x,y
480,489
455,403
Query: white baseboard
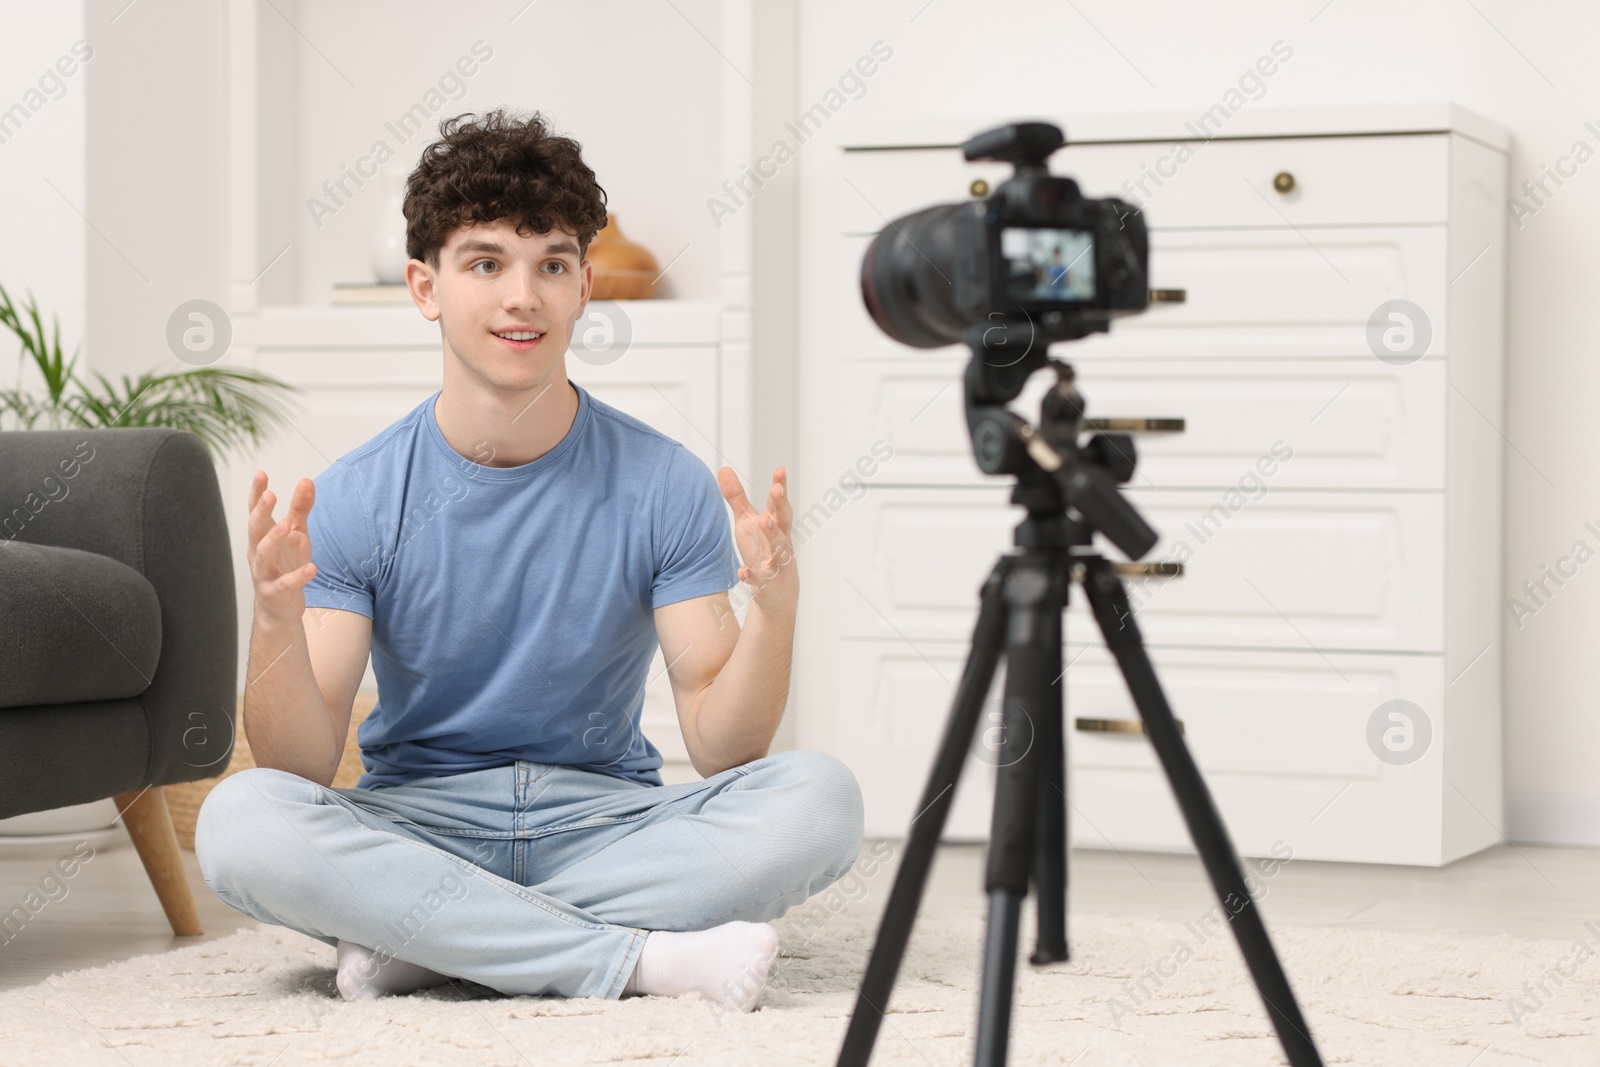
x,y
1553,819
60,846
92,817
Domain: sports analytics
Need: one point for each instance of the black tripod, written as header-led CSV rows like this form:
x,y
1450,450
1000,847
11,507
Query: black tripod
x,y
1069,492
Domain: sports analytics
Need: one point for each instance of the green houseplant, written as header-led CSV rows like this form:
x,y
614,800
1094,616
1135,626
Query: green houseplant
x,y
225,408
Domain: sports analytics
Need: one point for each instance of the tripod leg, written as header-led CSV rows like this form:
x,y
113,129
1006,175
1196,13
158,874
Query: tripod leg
x,y
1109,600
927,826
999,977
1050,848
1035,597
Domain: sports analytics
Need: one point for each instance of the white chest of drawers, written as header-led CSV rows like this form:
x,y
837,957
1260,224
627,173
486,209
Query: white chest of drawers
x,y
1339,514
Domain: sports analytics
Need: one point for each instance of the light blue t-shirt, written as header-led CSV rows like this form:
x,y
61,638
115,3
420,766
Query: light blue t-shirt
x,y
512,607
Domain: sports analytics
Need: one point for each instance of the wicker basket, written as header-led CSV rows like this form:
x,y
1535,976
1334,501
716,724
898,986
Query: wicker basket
x,y
185,798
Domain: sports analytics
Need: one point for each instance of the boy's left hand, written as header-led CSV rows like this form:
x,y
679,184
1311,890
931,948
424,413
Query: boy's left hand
x,y
763,540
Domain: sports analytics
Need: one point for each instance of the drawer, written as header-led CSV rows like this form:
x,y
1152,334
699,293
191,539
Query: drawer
x,y
1293,570
894,704
1338,181
1345,424
1251,294
1281,738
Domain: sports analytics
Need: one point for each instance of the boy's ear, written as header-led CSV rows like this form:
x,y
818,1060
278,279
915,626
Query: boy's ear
x,y
423,283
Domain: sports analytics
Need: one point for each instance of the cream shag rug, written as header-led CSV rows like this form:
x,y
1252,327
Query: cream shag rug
x,y
1136,992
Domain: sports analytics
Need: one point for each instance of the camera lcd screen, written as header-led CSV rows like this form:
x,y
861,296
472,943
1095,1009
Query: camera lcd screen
x,y
1048,265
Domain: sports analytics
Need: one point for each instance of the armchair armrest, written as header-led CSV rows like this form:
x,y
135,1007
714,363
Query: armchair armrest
x,y
74,626
148,498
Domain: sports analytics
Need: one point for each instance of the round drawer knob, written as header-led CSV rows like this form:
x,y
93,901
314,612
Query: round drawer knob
x,y
979,187
1283,181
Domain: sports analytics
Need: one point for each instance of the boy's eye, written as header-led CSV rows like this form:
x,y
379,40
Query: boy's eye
x,y
553,263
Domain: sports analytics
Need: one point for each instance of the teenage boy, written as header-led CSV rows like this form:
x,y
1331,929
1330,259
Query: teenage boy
x,y
510,553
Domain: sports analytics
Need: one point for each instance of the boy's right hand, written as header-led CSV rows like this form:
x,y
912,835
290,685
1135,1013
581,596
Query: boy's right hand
x,y
279,552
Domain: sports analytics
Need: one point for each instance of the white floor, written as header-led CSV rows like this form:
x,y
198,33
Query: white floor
x,y
110,913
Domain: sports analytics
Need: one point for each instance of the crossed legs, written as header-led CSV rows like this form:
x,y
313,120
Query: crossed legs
x,y
606,862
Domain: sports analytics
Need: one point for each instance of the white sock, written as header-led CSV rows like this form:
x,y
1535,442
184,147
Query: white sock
x,y
727,963
362,975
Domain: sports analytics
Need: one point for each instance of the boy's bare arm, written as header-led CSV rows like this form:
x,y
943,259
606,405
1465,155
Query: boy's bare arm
x,y
304,666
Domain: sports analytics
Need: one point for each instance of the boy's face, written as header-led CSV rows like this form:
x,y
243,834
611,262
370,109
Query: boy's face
x,y
491,281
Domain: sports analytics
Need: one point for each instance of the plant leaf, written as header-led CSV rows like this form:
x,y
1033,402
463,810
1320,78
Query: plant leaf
x,y
225,408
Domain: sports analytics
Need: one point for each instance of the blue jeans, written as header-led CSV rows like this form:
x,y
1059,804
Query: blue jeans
x,y
532,877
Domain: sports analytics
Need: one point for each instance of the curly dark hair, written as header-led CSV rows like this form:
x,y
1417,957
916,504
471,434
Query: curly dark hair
x,y
500,167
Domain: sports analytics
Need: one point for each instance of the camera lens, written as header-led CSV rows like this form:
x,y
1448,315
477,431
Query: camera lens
x,y
908,276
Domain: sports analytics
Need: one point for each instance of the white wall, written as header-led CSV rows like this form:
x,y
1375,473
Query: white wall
x,y
41,145
1528,68
633,81
155,176
114,195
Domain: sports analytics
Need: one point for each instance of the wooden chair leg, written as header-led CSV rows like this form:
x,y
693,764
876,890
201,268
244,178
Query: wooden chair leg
x,y
149,823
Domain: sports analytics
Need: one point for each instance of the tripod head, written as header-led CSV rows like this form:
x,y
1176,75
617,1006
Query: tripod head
x,y
1054,472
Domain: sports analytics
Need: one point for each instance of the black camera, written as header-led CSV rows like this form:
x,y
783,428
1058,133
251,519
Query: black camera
x,y
1036,251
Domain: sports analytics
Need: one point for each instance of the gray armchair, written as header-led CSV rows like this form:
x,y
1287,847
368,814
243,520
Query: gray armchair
x,y
118,631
